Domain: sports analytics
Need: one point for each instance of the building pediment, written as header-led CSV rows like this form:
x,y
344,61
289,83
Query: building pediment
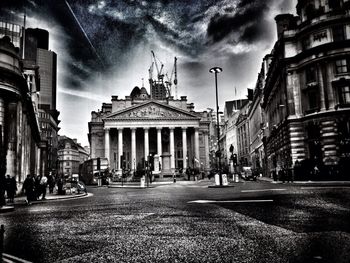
x,y
151,110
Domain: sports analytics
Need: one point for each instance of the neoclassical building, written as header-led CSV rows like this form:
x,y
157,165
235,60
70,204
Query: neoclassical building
x,y
139,126
19,125
307,90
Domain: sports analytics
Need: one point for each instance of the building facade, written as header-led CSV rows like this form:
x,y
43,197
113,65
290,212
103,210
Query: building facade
x,y
243,142
257,122
41,63
70,155
307,91
19,125
137,127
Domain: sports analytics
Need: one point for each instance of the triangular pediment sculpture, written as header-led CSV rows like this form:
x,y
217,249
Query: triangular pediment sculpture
x,y
151,110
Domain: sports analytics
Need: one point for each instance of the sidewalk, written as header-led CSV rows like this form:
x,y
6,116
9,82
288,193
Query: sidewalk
x,y
21,200
326,183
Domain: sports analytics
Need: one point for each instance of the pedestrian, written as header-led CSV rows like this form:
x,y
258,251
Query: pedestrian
x,y
281,176
2,233
28,189
51,183
37,187
11,188
8,186
43,186
2,190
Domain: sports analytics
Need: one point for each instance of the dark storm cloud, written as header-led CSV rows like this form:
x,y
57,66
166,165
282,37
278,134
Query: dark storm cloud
x,y
245,21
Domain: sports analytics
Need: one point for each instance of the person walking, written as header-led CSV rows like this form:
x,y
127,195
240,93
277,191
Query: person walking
x,y
2,190
43,186
51,183
28,189
8,186
11,186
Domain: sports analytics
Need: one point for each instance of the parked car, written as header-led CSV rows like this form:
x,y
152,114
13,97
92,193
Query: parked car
x,y
247,173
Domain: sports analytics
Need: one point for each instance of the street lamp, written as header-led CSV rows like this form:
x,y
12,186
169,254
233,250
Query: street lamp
x,y
217,70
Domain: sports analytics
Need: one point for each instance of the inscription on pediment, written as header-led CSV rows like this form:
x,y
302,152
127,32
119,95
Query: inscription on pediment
x,y
152,111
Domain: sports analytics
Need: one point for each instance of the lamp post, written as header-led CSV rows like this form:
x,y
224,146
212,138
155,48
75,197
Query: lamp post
x,y
217,70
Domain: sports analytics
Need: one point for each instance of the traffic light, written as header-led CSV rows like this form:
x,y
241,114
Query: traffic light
x,y
234,159
98,163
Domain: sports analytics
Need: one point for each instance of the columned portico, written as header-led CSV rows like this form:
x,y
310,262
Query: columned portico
x,y
120,147
172,149
169,133
184,147
133,149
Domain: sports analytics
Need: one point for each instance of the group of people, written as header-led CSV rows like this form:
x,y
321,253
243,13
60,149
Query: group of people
x,y
35,187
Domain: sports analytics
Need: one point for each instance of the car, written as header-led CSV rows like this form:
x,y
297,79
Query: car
x,y
247,173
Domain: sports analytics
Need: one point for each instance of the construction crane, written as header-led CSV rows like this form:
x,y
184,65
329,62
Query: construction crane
x,y
159,71
169,81
162,89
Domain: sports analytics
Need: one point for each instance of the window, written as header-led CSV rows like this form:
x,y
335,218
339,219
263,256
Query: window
x,y
344,94
310,74
338,33
313,99
305,43
341,66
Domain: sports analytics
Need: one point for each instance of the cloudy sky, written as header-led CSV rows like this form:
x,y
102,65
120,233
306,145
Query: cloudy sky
x,y
104,47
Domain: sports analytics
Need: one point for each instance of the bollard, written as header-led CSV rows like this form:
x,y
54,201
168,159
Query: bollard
x,y
236,178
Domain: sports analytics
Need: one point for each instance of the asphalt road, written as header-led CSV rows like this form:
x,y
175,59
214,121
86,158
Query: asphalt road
x,y
251,222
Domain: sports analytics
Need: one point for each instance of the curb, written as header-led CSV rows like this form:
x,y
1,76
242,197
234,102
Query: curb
x,y
64,197
130,186
305,183
7,208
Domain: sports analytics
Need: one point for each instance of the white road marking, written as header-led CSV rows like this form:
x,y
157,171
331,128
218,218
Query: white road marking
x,y
323,187
10,258
262,190
230,201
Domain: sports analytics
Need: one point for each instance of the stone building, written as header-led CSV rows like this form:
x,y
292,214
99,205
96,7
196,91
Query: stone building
x,y
307,90
257,123
19,125
138,126
243,142
229,128
70,155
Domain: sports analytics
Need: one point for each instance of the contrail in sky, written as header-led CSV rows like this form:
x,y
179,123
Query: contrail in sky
x,y
86,36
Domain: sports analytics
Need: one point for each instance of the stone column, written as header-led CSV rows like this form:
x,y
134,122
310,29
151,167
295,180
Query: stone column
x,y
196,148
159,144
11,158
172,149
120,147
133,148
206,144
146,143
184,147
107,146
